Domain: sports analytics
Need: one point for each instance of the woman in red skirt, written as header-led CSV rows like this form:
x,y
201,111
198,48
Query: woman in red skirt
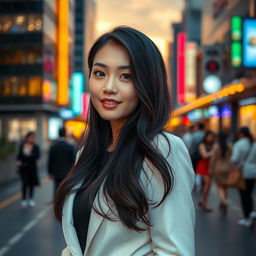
x,y
202,168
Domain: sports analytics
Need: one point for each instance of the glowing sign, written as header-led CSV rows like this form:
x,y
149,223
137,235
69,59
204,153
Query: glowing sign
x,y
181,41
212,84
190,77
249,43
77,92
63,54
226,111
85,104
236,41
213,111
66,113
47,90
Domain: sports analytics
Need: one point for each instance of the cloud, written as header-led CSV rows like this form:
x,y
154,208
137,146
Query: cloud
x,y
152,17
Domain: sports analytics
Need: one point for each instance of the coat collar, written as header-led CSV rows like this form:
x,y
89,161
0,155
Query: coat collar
x,y
94,223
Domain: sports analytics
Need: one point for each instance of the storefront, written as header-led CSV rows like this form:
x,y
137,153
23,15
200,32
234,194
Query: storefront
x,y
227,109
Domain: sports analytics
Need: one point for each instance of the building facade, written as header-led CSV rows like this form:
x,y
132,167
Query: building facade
x,y
31,61
234,104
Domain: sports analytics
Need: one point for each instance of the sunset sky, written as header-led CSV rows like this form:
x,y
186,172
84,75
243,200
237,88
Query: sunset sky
x,y
153,17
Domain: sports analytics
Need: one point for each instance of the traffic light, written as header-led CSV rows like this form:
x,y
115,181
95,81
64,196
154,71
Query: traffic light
x,y
212,67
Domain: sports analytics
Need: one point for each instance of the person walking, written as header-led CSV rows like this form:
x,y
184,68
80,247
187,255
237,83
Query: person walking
x,y
202,168
188,138
220,166
129,193
27,157
244,158
61,159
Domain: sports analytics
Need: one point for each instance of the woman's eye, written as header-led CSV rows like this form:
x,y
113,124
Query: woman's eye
x,y
126,76
99,73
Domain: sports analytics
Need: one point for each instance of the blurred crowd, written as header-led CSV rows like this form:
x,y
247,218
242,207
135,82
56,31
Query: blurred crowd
x,y
214,158
218,159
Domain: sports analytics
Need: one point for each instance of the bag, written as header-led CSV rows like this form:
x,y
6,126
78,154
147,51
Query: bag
x,y
235,179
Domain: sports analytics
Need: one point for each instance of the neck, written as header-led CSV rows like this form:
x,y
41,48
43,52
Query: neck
x,y
116,127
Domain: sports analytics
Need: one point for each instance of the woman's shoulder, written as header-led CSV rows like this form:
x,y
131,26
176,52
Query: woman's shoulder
x,y
168,143
165,139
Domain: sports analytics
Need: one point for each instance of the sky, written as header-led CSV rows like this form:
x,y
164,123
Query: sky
x,y
152,17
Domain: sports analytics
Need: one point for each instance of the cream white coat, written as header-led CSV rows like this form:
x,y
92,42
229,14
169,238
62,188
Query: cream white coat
x,y
172,231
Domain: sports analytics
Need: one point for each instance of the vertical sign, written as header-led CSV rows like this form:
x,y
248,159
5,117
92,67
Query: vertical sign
x,y
190,75
236,41
77,92
249,43
62,52
86,99
181,42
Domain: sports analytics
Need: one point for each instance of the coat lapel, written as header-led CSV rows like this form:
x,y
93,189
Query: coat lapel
x,y
68,227
94,223
96,219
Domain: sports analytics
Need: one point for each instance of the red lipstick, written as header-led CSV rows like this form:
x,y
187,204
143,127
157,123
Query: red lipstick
x,y
109,103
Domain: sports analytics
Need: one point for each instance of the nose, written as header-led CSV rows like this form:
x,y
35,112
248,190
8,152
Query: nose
x,y
110,86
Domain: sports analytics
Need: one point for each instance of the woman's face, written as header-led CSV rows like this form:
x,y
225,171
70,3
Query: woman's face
x,y
31,139
112,91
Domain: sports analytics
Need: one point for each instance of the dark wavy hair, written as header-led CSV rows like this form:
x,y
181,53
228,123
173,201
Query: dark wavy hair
x,y
120,177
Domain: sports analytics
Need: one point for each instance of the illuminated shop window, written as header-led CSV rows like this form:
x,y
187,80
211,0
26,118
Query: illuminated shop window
x,y
247,117
34,86
17,128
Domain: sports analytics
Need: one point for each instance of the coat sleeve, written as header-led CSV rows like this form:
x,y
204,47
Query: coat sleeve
x,y
172,230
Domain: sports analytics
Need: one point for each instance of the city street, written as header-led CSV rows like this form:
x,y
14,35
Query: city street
x,y
34,231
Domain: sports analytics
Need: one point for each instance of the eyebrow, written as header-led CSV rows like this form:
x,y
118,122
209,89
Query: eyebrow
x,y
105,66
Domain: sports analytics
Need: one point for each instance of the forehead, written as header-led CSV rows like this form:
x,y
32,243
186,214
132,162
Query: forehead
x,y
112,54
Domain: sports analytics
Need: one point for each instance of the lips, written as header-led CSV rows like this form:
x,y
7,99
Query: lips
x,y
109,103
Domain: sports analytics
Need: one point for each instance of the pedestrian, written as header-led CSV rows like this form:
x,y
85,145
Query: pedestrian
x,y
197,138
129,193
188,138
61,159
244,158
220,166
27,157
202,168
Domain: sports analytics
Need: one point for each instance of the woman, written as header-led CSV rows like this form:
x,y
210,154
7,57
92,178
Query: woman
x,y
220,165
243,154
130,191
202,168
26,162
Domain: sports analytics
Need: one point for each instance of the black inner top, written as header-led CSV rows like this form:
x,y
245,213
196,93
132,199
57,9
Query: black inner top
x,y
82,212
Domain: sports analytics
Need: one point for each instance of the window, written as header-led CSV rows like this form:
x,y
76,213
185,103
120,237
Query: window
x,y
20,55
34,86
34,22
20,23
13,86
34,55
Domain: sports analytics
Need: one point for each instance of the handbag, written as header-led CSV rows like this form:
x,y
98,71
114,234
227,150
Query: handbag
x,y
235,179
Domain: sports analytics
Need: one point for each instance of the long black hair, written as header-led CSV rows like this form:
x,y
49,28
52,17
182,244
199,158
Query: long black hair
x,y
120,177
